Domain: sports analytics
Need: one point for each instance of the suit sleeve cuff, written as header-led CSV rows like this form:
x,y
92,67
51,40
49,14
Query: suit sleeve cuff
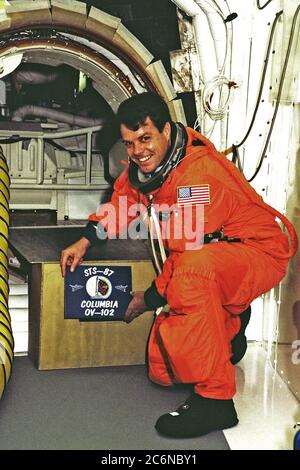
x,y
153,299
94,232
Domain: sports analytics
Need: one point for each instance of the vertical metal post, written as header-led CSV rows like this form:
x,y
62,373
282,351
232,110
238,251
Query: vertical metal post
x,y
40,160
88,167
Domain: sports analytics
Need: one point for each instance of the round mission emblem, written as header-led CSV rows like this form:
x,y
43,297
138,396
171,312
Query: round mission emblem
x,y
99,287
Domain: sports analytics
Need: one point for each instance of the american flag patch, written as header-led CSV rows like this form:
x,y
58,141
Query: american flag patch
x,y
187,195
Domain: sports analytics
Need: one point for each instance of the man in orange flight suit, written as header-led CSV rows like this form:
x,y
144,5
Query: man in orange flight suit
x,y
242,253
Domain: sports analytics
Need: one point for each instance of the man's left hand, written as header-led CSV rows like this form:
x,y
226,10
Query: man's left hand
x,y
136,307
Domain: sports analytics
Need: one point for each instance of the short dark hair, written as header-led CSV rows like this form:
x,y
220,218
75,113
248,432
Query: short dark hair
x,y
134,111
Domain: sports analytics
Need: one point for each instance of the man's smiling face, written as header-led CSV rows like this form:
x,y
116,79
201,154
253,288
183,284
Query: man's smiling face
x,y
147,146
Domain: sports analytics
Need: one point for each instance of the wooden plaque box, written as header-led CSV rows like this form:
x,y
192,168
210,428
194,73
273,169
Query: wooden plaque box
x,y
56,343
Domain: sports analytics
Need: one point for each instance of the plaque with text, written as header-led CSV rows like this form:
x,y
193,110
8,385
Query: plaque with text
x,y
97,293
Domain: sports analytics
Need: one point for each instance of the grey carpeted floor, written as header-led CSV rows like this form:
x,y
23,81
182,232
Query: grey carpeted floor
x,y
97,408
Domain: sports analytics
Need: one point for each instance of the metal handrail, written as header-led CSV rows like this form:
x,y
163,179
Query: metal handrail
x,y
41,137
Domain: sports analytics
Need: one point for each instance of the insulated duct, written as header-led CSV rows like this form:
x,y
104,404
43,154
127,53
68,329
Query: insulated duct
x,y
206,23
56,115
208,64
213,17
206,19
34,77
71,120
6,338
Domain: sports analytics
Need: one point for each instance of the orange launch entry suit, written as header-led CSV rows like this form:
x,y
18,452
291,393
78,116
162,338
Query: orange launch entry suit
x,y
207,288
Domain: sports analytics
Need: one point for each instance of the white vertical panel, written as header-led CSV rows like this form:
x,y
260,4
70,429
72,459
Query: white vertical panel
x,y
18,309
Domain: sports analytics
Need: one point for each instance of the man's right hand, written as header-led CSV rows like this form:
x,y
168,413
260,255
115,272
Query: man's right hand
x,y
73,255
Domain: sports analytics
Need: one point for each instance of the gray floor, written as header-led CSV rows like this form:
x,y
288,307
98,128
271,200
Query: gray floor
x,y
97,408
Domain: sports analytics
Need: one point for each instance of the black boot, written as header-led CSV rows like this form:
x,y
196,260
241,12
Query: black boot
x,y
239,342
197,416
